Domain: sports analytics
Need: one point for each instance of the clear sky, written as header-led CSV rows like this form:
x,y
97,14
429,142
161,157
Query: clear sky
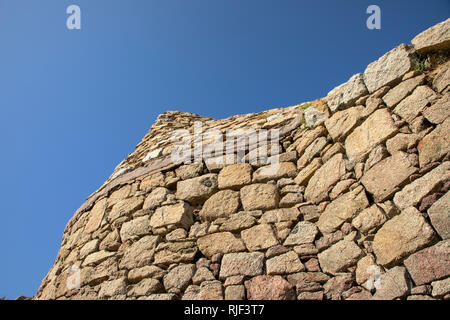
x,y
74,103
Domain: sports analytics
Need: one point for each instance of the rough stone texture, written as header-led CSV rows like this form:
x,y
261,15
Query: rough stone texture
x,y
342,209
438,111
439,214
223,242
388,69
435,145
324,178
179,214
269,288
384,178
394,284
434,38
430,264
246,264
413,193
284,264
339,256
347,93
342,122
175,252
410,107
196,189
440,288
135,228
306,173
304,232
369,219
402,235
266,173
399,92
221,204
259,237
376,129
139,253
179,277
259,197
235,176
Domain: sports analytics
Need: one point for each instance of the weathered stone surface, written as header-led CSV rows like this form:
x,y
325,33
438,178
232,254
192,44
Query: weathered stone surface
x,y
439,214
393,284
430,264
235,292
365,269
318,295
280,215
175,252
388,69
259,237
306,173
112,288
342,209
384,178
314,117
235,176
197,189
154,180
189,171
304,232
435,145
335,287
111,242
291,199
375,130
247,264
259,197
269,288
309,137
413,193
441,288
202,274
312,151
284,264
139,253
179,277
89,248
410,107
438,111
435,38
342,122
307,281
402,235
221,204
238,222
179,214
324,178
97,257
339,256
347,93
211,290
266,173
401,142
222,242
399,92
96,216
145,288
156,198
135,228
136,275
369,219
125,207
442,79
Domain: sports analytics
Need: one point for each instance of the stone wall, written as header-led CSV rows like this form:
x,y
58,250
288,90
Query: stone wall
x,y
358,209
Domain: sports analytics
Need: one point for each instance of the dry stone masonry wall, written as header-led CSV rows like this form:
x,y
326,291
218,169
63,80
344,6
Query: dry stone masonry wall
x,y
358,208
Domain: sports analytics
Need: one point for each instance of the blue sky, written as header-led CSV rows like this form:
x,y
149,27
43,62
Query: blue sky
x,y
74,103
